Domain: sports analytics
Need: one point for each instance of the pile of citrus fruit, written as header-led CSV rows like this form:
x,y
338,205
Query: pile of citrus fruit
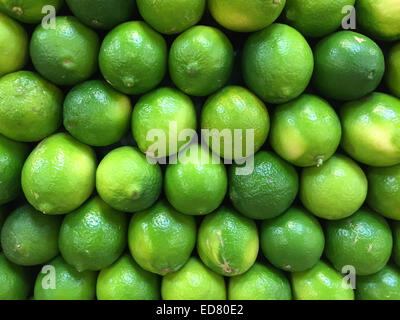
x,y
193,149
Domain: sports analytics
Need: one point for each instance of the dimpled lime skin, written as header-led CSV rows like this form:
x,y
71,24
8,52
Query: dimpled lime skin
x,y
322,282
96,114
171,16
334,191
277,63
268,191
29,237
228,242
232,108
371,130
161,239
193,281
245,15
14,279
125,280
51,179
393,70
306,131
67,54
12,158
30,107
69,283
28,11
133,57
396,242
188,184
363,240
348,65
294,241
260,282
127,181
161,110
201,60
93,236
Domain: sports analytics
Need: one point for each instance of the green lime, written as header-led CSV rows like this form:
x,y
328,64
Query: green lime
x,y
306,131
245,15
348,65
268,191
396,242
93,236
102,14
67,54
171,16
161,239
371,129
363,241
322,282
14,279
3,216
28,11
60,281
201,60
316,18
260,282
59,174
133,57
29,237
294,241
334,191
125,280
277,63
12,158
13,45
235,110
30,107
228,242
188,186
96,114
193,281
161,120
393,70
380,18
127,181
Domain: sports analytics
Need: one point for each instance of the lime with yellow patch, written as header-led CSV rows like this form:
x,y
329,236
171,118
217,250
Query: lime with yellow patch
x,y
393,70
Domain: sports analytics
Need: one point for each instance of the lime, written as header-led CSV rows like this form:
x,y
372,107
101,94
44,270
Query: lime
x,y
125,280
12,158
161,239
306,131
188,186
393,70
235,110
171,16
3,216
102,14
158,116
29,237
363,241
348,65
127,181
67,54
381,18
201,60
30,107
294,241
267,191
396,242
322,282
93,236
371,130
334,191
59,174
60,281
193,281
28,11
133,57
96,114
384,191
245,15
13,45
228,242
260,282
